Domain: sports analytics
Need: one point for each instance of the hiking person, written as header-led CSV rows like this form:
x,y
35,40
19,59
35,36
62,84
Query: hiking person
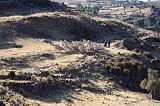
x,y
105,43
109,43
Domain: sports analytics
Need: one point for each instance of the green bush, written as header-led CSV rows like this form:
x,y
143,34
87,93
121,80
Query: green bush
x,y
87,9
134,69
152,84
127,73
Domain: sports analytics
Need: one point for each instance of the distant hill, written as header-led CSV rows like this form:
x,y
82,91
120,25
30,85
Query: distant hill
x,y
23,4
12,7
68,1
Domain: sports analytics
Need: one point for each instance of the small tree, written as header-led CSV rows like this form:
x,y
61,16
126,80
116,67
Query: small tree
x,y
63,6
147,22
152,84
88,9
95,10
80,8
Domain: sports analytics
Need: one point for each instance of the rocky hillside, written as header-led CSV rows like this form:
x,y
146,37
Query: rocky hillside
x,y
58,59
25,7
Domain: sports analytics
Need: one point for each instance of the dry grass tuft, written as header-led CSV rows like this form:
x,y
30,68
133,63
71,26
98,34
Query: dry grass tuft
x,y
83,47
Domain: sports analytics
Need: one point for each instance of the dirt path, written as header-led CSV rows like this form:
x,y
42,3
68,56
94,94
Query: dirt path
x,y
32,50
83,98
30,47
119,98
115,51
62,60
14,81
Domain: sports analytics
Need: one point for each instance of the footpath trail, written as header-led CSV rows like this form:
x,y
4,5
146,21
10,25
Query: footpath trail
x,y
115,51
119,98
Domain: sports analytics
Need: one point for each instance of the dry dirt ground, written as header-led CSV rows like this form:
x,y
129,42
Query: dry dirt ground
x,y
33,47
35,54
120,98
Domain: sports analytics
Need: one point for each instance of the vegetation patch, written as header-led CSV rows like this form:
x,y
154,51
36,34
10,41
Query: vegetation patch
x,y
152,84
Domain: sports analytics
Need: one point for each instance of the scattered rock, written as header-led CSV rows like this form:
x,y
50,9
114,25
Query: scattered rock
x,y
2,103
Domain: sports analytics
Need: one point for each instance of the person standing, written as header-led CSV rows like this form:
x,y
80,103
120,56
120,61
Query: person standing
x,y
109,43
105,43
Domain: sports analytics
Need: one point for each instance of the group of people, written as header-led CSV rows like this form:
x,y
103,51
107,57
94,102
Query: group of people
x,y
107,43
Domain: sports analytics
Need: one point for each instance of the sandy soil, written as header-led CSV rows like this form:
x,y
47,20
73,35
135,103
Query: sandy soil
x,y
118,98
34,47
115,51
83,98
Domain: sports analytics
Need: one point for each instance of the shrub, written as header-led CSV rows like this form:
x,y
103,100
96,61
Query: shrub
x,y
18,46
135,55
48,55
87,9
119,53
136,50
129,72
129,69
47,41
130,64
152,84
12,74
108,67
130,44
155,63
116,70
148,55
84,47
44,73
